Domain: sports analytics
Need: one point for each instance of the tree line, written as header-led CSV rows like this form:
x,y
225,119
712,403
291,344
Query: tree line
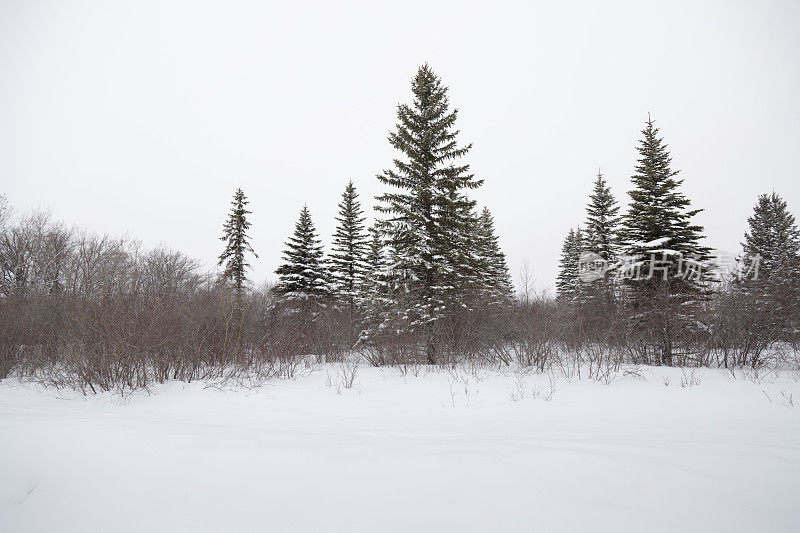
x,y
430,259
658,283
426,283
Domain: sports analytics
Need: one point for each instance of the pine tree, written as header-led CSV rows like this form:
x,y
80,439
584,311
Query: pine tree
x,y
567,283
350,246
659,214
429,219
493,266
602,221
598,290
375,265
659,235
237,244
773,240
773,236
303,275
348,253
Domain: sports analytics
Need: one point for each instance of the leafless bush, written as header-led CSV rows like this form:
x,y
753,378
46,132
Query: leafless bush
x,y
95,314
602,361
690,377
533,334
545,394
520,386
343,375
521,389
460,384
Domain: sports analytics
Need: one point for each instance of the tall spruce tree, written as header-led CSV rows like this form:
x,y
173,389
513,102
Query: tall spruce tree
x,y
428,217
237,244
567,283
602,221
659,212
659,236
303,276
350,247
598,290
348,254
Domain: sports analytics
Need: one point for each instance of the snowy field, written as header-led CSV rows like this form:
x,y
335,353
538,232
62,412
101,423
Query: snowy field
x,y
433,452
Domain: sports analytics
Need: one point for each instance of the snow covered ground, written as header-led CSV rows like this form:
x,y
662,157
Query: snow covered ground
x,y
433,452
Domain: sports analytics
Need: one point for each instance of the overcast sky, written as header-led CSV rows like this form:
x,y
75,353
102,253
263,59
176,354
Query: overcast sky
x,y
143,118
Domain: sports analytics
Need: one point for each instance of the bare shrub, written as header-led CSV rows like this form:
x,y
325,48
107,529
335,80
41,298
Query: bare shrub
x,y
534,334
344,374
690,377
460,384
522,390
520,386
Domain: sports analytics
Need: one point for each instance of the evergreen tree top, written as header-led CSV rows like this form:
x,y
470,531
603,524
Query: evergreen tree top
x,y
772,234
602,205
602,220
428,219
424,134
493,267
237,242
568,280
304,240
303,273
658,210
349,247
351,218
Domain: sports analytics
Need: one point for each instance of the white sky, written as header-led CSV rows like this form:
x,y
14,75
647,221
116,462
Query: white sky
x,y
142,118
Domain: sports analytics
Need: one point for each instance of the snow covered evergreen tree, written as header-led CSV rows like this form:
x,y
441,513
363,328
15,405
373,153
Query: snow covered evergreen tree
x,y
348,255
772,235
662,243
374,265
349,249
428,219
237,244
496,279
598,289
602,221
567,283
659,215
303,276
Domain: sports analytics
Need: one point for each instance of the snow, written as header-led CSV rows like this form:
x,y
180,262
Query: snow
x,y
440,451
655,243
